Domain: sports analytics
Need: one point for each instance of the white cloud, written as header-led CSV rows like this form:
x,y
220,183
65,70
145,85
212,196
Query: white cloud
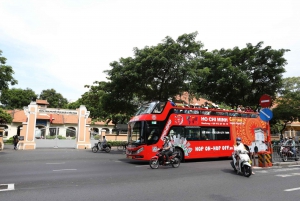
x,y
66,44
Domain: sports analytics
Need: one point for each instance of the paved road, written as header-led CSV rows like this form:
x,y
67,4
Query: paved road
x,y
70,174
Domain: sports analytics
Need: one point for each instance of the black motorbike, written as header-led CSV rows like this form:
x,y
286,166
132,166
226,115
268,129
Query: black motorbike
x,y
160,159
97,147
286,153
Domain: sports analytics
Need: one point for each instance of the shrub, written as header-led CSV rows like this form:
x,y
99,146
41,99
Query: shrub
x,y
115,143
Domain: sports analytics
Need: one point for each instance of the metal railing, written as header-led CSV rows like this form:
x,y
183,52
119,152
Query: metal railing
x,y
280,155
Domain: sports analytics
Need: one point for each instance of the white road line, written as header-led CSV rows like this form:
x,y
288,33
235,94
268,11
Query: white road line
x,y
10,187
263,171
64,170
294,166
141,165
54,163
284,175
118,161
292,189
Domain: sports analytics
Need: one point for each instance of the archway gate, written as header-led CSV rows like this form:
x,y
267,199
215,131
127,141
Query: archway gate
x,y
27,133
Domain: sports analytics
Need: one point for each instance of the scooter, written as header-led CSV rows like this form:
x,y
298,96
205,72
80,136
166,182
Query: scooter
x,y
160,159
97,147
244,165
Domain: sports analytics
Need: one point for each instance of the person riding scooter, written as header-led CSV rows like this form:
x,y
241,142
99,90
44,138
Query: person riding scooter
x,y
103,143
238,148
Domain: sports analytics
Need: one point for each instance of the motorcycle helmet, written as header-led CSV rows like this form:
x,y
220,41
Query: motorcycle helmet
x,y
167,138
238,140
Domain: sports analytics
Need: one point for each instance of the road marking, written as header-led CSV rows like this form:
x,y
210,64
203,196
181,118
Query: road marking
x,y
118,161
294,166
141,165
54,163
283,175
285,169
292,189
263,171
65,170
10,187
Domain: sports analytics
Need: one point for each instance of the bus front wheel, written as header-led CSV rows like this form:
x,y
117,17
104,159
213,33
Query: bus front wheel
x,y
180,153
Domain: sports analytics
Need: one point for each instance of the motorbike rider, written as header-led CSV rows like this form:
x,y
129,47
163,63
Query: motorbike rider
x,y
285,141
167,149
104,142
293,144
239,147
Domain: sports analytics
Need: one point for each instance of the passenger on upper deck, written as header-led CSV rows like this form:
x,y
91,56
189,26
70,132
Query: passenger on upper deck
x,y
171,101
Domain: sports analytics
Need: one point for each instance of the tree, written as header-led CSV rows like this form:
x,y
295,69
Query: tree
x,y
5,117
240,76
6,74
287,107
55,100
95,99
6,79
231,77
154,73
17,98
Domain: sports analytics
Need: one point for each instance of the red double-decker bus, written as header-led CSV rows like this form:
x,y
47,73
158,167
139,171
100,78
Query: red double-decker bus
x,y
195,132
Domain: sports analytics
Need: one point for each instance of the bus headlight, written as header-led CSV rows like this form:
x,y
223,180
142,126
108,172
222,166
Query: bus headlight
x,y
140,150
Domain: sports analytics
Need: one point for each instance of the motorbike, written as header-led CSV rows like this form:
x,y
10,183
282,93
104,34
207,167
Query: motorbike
x,y
97,147
244,165
160,159
286,152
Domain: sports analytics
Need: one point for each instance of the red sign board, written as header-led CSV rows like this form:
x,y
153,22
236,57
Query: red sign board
x,y
265,100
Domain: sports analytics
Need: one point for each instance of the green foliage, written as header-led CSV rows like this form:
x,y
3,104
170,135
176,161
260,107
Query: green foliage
x,y
17,98
9,141
56,100
115,143
6,74
5,117
102,105
240,76
154,73
229,77
74,105
53,137
287,104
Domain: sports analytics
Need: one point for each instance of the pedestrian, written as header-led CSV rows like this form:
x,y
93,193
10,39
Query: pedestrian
x,y
15,141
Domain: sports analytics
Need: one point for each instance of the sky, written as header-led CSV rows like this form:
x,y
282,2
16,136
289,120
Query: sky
x,y
67,44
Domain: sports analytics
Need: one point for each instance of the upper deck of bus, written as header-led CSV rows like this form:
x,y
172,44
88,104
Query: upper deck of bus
x,y
162,109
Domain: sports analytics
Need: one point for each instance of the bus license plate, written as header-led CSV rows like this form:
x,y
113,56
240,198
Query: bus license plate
x,y
130,157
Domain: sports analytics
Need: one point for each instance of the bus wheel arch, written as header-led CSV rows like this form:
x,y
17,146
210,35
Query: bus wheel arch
x,y
181,155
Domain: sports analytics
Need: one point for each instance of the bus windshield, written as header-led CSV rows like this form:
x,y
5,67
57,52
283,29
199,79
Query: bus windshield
x,y
153,107
144,132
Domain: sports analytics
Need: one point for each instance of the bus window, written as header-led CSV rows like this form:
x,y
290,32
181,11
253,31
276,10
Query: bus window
x,y
215,133
221,133
245,115
205,112
222,113
159,107
253,115
192,133
135,132
153,136
176,132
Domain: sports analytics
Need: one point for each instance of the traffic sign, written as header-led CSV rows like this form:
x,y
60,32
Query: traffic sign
x,y
265,100
266,114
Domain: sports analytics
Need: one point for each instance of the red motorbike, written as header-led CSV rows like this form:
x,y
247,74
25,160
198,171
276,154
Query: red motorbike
x,y
160,159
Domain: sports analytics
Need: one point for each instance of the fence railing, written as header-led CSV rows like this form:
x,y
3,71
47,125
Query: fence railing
x,y
283,155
